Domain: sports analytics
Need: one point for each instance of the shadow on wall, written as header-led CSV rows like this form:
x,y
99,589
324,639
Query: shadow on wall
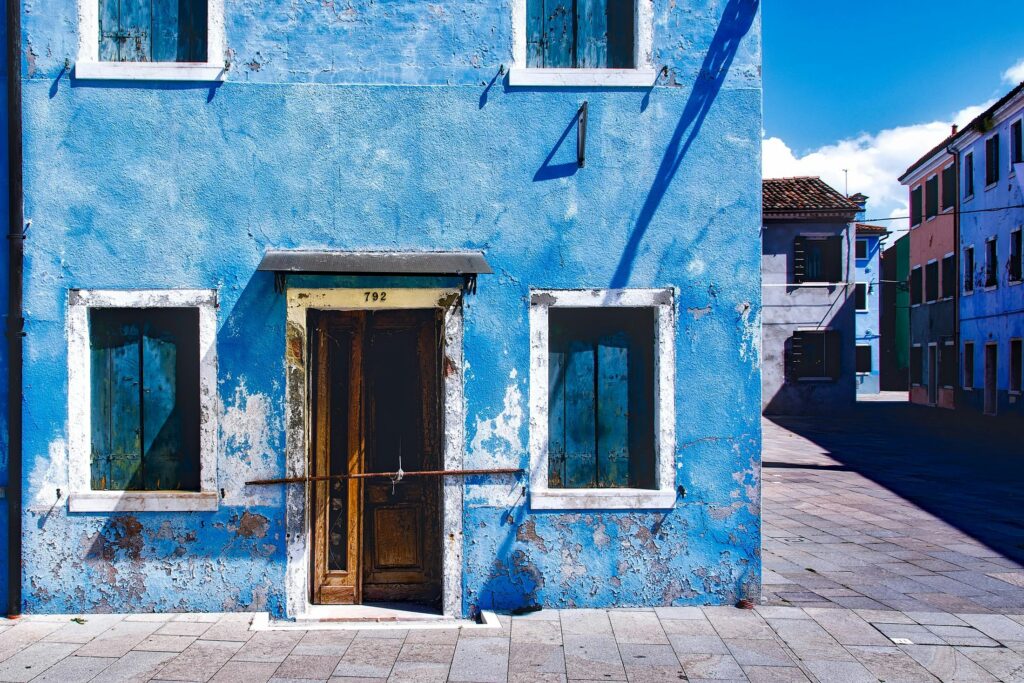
x,y
737,18
963,471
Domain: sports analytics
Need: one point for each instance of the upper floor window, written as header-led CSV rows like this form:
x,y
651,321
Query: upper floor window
x,y
153,30
969,174
862,249
931,281
948,187
948,276
814,355
969,270
1017,142
916,286
582,43
818,259
992,160
860,296
916,206
931,197
1016,266
580,34
151,40
991,264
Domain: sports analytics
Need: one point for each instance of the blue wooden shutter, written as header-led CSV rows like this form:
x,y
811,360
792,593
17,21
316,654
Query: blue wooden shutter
x,y
116,381
161,423
613,411
153,30
591,34
558,34
580,415
535,36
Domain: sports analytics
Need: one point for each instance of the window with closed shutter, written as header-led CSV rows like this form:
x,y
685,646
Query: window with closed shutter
x,y
931,281
931,197
817,259
814,355
969,269
580,34
1016,265
864,360
916,286
969,174
153,30
601,398
916,365
1017,142
948,187
991,264
992,160
916,206
860,295
145,396
968,365
948,277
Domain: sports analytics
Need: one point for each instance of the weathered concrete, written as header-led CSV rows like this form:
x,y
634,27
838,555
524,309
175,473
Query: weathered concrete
x,y
160,185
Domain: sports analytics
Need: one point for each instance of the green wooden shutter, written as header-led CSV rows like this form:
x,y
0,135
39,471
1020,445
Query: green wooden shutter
x,y
613,411
116,381
556,420
580,414
161,421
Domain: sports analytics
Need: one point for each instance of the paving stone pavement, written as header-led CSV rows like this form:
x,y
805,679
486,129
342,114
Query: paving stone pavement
x,y
867,578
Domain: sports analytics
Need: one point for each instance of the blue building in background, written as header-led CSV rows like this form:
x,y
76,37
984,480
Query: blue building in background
x,y
867,296
322,247
990,154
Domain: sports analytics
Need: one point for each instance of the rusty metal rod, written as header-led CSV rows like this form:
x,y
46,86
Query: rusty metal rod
x,y
385,475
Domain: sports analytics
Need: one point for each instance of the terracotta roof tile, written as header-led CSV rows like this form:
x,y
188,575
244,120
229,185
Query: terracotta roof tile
x,y
865,229
804,195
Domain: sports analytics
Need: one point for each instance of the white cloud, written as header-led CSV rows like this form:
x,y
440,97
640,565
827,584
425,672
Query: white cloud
x,y
1015,74
874,161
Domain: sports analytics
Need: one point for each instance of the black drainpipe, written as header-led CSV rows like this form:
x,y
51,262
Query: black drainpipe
x,y
15,322
958,380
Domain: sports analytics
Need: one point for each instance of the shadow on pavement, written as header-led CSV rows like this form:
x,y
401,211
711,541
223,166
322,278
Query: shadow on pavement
x,y
962,469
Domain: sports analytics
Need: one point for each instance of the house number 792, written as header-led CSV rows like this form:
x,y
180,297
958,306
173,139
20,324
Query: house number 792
x,y
375,296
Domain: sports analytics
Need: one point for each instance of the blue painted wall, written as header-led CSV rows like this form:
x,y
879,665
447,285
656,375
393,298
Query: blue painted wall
x,y
317,140
869,271
992,316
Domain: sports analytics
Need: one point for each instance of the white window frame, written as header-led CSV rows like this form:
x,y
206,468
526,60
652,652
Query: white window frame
x,y
911,283
1009,138
867,299
999,151
81,497
938,198
642,76
872,370
89,66
664,496
867,249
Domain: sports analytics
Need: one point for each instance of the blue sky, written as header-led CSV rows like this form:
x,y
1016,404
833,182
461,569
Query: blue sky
x,y
871,85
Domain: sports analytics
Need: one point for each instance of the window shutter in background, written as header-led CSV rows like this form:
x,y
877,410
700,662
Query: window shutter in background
x,y
580,415
153,30
556,419
799,259
833,352
591,34
161,428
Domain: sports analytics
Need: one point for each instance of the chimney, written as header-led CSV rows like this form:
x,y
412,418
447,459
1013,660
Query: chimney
x,y
860,200
956,129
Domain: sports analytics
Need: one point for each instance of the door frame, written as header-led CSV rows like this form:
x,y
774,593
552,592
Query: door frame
x,y
991,389
933,374
299,426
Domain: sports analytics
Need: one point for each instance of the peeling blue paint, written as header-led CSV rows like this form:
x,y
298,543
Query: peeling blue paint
x,y
316,140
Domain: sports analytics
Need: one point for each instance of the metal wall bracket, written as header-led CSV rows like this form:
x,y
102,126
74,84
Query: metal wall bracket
x,y
581,135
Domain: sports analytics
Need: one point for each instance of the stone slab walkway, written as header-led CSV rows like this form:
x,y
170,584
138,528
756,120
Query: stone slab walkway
x,y
892,548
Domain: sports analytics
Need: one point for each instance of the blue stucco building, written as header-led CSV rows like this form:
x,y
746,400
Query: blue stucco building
x,y
386,237
868,304
990,161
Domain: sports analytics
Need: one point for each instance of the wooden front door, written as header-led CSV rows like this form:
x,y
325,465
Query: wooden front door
x,y
991,377
377,409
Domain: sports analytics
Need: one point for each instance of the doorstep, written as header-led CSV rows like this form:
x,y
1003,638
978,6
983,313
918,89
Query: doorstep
x,y
370,617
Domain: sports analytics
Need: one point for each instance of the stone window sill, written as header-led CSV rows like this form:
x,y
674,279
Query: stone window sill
x,y
585,78
142,501
151,71
602,499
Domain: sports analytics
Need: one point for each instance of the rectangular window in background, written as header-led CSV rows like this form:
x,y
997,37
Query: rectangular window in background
x,y
931,197
864,361
153,30
916,206
948,276
916,365
991,264
601,398
1016,365
815,355
931,281
862,250
948,187
916,286
968,269
947,365
968,365
992,160
1017,142
145,399
969,174
860,296
580,34
1016,265
818,259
